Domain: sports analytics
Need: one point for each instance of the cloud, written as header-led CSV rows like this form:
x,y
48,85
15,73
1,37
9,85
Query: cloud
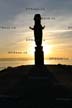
x,y
14,13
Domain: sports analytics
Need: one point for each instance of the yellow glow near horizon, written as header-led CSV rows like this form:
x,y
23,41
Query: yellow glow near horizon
x,y
50,47
47,49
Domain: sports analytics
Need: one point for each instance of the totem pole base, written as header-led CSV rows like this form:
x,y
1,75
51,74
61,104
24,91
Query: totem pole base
x,y
39,55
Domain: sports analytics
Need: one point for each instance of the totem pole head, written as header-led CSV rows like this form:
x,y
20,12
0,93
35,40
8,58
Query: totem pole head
x,y
37,18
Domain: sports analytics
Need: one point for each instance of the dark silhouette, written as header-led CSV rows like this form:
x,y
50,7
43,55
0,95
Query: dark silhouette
x,y
36,86
39,55
37,30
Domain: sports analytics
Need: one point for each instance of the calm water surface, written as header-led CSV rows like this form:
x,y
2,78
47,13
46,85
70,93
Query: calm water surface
x,y
13,63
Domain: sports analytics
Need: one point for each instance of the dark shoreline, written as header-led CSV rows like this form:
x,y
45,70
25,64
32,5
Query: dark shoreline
x,y
36,85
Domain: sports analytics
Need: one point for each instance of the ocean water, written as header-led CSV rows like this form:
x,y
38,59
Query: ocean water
x,y
13,63
4,63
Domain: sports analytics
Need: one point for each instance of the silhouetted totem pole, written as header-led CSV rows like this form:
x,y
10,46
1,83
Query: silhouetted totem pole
x,y
39,55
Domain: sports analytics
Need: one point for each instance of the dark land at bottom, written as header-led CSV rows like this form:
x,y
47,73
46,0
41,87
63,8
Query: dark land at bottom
x,y
36,86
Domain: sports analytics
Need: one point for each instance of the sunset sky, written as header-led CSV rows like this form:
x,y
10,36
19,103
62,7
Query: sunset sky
x,y
57,35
